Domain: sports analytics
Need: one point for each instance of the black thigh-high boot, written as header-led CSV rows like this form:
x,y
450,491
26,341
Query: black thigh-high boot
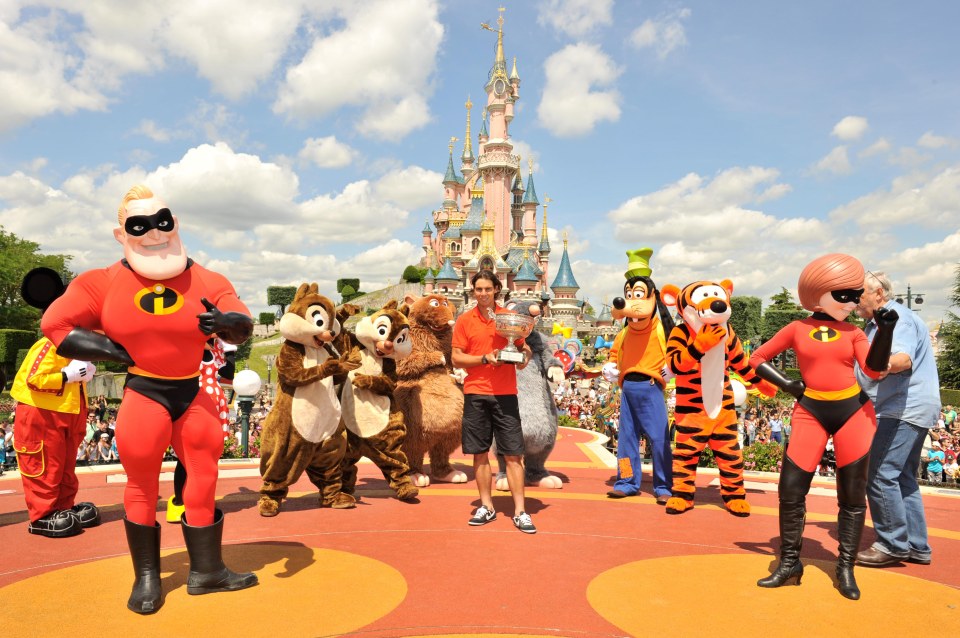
x,y
793,488
208,574
851,496
144,544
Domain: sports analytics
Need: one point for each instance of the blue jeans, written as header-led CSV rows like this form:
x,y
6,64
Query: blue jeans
x,y
777,436
642,411
892,491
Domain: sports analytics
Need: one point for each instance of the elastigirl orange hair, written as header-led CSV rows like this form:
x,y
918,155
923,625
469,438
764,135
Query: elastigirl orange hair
x,y
830,272
140,191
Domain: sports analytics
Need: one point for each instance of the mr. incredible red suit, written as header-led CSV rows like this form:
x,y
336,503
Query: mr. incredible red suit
x,y
830,402
156,309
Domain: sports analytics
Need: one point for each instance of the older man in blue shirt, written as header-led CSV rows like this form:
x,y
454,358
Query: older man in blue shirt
x,y
907,402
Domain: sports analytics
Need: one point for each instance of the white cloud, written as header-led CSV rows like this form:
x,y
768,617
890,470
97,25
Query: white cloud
x,y
370,63
577,96
850,128
664,34
150,129
930,200
929,140
879,147
410,187
576,18
526,153
836,162
326,152
235,44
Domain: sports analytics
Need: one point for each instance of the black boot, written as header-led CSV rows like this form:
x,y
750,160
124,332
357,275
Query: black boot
x,y
794,485
144,544
851,496
208,574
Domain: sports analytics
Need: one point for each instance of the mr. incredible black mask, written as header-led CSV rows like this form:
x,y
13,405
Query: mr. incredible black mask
x,y
139,225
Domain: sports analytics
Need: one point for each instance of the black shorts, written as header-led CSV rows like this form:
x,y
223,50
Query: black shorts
x,y
487,416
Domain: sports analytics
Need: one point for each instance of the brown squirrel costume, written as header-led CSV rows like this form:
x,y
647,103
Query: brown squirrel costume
x,y
303,431
375,428
427,393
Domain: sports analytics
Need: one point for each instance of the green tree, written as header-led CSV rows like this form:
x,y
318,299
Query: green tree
x,y
948,338
281,297
17,258
267,318
746,318
783,311
413,275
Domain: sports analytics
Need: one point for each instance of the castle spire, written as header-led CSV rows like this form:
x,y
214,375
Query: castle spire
x,y
467,156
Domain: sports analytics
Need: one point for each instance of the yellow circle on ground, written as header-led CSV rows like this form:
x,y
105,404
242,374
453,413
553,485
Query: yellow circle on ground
x,y
302,592
694,595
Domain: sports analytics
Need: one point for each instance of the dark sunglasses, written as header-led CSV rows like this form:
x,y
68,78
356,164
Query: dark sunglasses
x,y
847,295
139,225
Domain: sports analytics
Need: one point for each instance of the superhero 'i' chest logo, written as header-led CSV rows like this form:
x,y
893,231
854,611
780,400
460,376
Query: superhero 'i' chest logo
x,y
158,300
824,334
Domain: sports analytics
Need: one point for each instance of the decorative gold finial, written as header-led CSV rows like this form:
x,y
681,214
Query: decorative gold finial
x,y
530,165
467,142
546,202
453,140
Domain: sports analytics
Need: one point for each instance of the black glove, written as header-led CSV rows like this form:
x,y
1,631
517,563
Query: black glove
x,y
232,327
768,372
88,345
878,359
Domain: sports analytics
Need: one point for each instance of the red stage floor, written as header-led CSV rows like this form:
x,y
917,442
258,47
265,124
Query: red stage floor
x,y
596,567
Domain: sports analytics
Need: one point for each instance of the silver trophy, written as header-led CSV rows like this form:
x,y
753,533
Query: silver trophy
x,y
512,327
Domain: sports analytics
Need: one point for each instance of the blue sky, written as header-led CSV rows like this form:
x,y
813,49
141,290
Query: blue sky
x,y
306,141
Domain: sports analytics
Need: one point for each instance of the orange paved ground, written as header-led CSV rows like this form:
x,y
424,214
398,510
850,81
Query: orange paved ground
x,y
596,568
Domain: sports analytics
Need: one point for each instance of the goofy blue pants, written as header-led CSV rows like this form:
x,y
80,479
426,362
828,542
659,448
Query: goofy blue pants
x,y
642,411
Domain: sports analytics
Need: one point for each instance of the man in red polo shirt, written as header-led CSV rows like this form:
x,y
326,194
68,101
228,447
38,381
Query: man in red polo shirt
x,y
490,409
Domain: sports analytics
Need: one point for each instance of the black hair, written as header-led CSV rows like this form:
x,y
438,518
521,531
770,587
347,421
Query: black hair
x,y
490,276
665,319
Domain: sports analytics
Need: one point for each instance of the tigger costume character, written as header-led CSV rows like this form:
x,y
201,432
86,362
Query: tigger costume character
x,y
302,431
700,352
638,363
375,428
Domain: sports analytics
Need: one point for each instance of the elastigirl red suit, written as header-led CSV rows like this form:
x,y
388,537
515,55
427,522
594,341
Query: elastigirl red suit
x,y
829,403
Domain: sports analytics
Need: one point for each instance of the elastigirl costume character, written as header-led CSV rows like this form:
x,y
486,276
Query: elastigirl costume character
x,y
829,403
156,308
637,362
50,424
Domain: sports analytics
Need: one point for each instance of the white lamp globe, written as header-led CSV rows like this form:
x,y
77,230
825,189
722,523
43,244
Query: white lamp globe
x,y
246,383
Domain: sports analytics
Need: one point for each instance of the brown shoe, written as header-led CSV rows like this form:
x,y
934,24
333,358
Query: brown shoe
x,y
873,557
617,494
662,499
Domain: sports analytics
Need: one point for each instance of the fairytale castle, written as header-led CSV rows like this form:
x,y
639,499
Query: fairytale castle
x,y
488,218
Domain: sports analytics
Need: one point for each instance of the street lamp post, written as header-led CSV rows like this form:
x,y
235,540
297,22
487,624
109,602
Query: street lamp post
x,y
269,358
246,384
911,297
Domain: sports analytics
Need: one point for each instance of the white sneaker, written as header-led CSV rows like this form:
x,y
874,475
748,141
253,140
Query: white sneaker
x,y
524,523
482,516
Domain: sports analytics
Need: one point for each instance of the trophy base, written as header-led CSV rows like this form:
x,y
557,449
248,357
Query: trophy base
x,y
507,356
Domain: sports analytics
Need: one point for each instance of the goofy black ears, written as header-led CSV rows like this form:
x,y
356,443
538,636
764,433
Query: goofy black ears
x,y
41,287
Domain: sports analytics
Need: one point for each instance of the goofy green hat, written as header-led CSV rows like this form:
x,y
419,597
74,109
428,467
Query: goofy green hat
x,y
638,263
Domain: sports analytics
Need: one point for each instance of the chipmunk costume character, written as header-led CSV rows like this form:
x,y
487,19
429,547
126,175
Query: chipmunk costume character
x,y
638,363
302,431
156,308
427,394
700,352
375,428
830,402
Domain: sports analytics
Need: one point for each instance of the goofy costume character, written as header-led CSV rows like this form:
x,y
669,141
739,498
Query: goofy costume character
x,y
638,363
156,309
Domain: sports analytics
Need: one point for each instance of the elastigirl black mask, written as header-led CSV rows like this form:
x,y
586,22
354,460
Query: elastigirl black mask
x,y
139,225
847,295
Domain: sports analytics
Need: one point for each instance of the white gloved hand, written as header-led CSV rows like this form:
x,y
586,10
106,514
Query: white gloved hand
x,y
667,374
610,372
78,370
555,374
459,375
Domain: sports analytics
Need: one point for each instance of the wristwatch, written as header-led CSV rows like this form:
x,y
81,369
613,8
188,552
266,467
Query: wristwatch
x,y
483,360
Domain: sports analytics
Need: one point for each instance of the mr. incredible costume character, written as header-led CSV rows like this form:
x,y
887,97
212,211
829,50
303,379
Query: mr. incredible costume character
x,y
638,363
830,402
156,308
50,424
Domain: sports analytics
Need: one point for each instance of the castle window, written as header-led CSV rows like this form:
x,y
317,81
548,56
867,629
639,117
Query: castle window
x,y
475,244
